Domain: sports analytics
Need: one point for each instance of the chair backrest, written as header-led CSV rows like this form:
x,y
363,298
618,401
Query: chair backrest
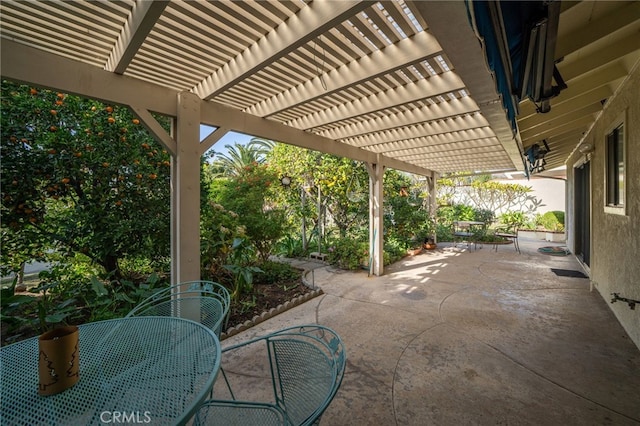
x,y
204,301
308,364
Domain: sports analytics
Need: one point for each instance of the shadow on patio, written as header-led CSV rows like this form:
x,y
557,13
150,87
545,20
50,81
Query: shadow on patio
x,y
453,336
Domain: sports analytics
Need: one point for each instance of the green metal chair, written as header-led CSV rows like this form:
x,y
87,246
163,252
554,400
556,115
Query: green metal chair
x,y
206,302
306,365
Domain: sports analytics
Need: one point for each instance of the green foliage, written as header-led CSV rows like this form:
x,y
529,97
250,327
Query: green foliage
x,y
348,253
341,183
248,196
238,157
290,246
551,221
277,272
80,177
69,293
219,229
484,215
394,249
406,217
446,215
513,220
241,267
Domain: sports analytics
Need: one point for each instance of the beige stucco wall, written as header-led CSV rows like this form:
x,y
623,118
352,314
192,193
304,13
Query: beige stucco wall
x,y
615,239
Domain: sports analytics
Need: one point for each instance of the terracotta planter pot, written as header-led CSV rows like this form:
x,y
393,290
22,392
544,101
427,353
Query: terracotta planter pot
x,y
58,360
414,251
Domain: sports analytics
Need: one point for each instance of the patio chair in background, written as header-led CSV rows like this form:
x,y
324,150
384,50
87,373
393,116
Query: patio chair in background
x,y
305,365
509,235
206,302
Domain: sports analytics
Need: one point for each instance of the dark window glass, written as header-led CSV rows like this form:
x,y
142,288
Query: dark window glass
x,y
615,167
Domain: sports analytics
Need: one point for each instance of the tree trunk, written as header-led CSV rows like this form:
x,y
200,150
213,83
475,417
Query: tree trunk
x,y
110,264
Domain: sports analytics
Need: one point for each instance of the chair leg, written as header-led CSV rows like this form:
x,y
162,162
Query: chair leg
x,y
516,245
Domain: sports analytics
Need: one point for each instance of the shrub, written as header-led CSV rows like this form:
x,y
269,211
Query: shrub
x,y
290,246
394,249
276,272
348,253
513,220
551,221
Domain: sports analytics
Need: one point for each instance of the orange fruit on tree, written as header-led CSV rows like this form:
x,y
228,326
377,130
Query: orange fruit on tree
x,y
65,180
33,91
53,128
135,121
59,102
109,109
153,176
105,164
111,120
77,154
53,112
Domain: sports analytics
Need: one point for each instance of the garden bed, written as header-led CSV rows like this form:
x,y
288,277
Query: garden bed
x,y
264,298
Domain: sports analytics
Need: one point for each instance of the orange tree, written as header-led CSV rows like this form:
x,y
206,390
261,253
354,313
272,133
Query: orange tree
x,y
343,185
79,176
249,196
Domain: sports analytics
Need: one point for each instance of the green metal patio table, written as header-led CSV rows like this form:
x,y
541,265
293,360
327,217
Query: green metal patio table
x,y
152,370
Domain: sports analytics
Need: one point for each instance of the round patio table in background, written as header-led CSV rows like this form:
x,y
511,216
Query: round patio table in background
x,y
150,370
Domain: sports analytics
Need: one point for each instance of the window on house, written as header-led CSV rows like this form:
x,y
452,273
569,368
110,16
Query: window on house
x,y
615,167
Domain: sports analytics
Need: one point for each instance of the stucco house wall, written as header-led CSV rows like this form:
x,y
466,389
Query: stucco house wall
x,y
615,238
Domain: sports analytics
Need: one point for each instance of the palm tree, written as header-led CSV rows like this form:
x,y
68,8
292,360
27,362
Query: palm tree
x,y
239,156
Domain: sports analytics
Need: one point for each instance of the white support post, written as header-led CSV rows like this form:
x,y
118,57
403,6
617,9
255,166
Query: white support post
x,y
185,192
433,202
376,220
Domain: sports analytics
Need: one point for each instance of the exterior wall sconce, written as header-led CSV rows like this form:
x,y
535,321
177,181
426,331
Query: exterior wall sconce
x,y
586,148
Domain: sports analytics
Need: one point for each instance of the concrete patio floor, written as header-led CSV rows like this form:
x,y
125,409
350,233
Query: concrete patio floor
x,y
456,336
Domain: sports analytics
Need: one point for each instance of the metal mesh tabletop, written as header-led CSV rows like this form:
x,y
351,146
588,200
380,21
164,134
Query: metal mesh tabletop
x,y
153,370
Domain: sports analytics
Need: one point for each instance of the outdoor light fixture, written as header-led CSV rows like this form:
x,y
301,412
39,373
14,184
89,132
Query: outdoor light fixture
x,y
534,156
586,148
285,181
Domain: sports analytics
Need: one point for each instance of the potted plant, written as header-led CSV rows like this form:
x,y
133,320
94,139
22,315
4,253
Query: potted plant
x,y
428,234
429,244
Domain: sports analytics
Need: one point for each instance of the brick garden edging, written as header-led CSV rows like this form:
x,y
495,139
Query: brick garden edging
x,y
275,311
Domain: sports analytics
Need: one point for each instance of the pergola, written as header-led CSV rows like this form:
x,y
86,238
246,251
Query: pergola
x,y
396,84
